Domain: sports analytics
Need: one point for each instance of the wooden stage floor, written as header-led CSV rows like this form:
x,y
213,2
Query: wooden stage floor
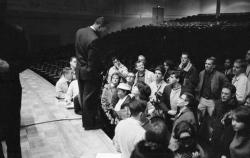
x,y
49,130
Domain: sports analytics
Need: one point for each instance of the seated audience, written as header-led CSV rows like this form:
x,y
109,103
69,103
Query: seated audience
x,y
188,147
62,84
143,74
169,66
240,80
188,71
117,67
239,147
129,132
228,70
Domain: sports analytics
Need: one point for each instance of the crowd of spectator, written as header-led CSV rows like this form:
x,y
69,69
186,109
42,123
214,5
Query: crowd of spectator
x,y
204,114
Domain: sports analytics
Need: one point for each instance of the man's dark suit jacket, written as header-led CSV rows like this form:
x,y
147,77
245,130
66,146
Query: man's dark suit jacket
x,y
13,49
88,58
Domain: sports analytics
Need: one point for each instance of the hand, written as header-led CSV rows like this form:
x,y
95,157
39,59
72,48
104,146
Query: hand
x,y
4,66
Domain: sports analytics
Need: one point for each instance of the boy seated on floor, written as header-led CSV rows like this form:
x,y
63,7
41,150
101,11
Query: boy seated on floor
x,y
62,84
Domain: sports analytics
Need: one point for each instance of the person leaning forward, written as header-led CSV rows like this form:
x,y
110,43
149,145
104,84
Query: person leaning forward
x,y
88,71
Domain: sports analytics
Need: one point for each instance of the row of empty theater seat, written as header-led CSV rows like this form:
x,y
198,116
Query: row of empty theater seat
x,y
50,62
197,34
232,17
50,70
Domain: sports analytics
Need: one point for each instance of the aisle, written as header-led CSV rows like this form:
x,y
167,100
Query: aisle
x,y
49,130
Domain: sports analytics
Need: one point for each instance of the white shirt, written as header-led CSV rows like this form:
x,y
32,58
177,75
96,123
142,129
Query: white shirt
x,y
128,133
61,87
174,96
73,90
242,86
119,103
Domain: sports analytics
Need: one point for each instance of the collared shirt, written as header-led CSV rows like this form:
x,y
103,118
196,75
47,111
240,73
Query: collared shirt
x,y
61,87
119,103
72,91
128,133
92,28
206,87
155,88
174,96
242,84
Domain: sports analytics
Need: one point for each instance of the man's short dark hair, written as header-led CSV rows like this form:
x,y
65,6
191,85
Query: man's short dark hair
x,y
158,132
137,106
213,59
170,64
161,69
66,70
178,75
185,53
115,58
100,21
144,90
231,87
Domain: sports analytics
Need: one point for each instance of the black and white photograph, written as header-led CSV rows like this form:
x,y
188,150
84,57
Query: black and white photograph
x,y
124,78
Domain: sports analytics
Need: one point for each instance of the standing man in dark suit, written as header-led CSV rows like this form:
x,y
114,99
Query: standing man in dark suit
x,y
13,56
88,72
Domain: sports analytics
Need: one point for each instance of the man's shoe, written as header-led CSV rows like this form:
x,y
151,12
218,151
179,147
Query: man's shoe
x,y
78,112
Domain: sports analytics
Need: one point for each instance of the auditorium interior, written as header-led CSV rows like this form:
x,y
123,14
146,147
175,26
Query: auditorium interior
x,y
156,29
